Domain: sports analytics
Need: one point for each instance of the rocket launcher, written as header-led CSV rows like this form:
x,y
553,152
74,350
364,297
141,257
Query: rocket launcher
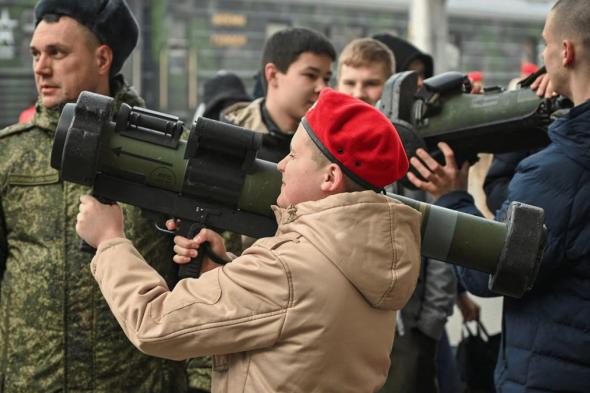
x,y
443,110
213,179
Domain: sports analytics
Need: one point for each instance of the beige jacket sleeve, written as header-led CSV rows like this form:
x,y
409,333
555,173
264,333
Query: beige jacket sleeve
x,y
239,307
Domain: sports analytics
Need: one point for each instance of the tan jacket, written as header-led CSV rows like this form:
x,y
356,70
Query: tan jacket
x,y
308,310
246,114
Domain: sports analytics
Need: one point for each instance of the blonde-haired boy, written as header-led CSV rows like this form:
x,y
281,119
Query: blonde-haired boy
x,y
363,67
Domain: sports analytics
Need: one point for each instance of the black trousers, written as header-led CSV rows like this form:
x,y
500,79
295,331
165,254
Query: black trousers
x,y
413,364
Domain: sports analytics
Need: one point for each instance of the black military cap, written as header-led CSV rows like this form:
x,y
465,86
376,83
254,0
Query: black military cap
x,y
221,91
110,20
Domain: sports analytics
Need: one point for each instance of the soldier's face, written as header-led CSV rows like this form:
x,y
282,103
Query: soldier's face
x,y
64,61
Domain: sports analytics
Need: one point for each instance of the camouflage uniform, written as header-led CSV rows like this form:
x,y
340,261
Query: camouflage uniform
x,y
57,333
199,374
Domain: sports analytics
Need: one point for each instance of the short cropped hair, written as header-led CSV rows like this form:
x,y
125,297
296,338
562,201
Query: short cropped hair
x,y
366,51
321,160
284,47
573,19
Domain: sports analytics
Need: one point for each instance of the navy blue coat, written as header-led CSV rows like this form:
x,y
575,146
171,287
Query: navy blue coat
x,y
546,334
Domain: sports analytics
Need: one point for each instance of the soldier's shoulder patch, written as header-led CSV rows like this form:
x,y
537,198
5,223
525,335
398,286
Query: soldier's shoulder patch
x,y
15,129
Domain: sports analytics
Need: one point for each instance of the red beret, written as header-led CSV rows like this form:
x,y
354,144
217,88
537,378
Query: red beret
x,y
528,68
475,76
357,137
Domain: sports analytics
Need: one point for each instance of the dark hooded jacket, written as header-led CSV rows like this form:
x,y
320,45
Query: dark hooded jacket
x,y
546,334
405,53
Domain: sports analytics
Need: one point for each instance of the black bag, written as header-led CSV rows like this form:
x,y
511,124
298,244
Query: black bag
x,y
476,358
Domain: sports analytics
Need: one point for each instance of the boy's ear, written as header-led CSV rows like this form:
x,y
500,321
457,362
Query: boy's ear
x,y
270,74
332,179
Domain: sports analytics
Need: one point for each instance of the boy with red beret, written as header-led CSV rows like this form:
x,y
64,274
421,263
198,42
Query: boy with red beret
x,y
310,309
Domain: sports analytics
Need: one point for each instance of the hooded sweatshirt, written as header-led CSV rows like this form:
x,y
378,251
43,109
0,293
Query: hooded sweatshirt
x,y
405,53
311,309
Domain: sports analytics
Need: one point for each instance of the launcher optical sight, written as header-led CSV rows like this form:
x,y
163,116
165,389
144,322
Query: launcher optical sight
x,y
213,179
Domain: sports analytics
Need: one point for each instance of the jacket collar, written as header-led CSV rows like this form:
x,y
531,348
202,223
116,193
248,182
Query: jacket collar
x,y
579,109
291,213
271,126
572,134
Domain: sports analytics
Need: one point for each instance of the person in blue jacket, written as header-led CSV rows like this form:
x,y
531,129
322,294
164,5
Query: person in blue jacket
x,y
546,333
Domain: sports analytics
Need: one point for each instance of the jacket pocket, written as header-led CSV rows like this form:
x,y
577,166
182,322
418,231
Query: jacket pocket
x,y
32,202
32,180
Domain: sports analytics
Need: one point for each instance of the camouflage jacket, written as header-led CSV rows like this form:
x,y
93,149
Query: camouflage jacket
x,y
57,333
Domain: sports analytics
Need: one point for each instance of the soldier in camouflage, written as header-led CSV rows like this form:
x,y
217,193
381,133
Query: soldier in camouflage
x,y
56,331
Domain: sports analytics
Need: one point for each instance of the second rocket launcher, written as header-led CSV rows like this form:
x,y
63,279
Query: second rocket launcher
x,y
213,179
